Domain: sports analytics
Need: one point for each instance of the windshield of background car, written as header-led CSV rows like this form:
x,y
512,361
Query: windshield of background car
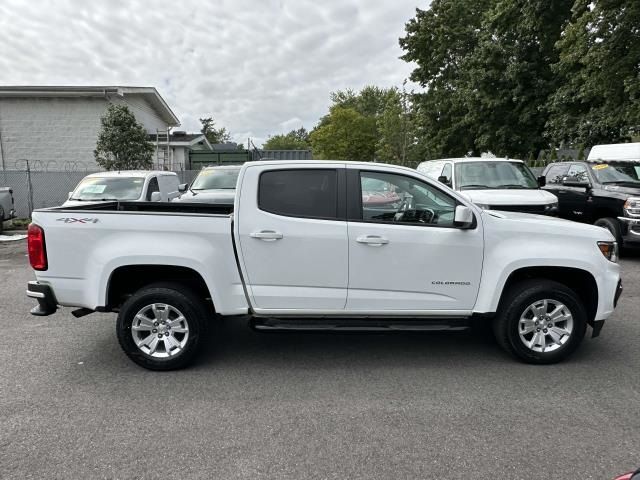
x,y
479,175
216,179
616,172
109,188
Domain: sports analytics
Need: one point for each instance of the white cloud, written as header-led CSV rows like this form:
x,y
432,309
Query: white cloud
x,y
258,67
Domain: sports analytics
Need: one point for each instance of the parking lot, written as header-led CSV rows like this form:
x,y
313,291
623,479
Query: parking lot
x,y
310,406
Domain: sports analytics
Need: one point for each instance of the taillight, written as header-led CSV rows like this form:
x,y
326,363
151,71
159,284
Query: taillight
x,y
36,247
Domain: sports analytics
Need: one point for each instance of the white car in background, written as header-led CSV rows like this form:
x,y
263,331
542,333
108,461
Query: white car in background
x,y
494,183
126,186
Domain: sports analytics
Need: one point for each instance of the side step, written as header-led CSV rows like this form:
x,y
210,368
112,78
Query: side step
x,y
358,324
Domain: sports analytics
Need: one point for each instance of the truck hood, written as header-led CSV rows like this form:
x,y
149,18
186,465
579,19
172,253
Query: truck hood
x,y
541,224
208,196
503,196
625,189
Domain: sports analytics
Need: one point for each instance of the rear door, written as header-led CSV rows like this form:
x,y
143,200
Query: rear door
x,y
292,235
407,256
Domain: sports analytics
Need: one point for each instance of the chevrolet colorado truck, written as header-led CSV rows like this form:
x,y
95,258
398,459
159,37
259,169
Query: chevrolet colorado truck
x,y
300,249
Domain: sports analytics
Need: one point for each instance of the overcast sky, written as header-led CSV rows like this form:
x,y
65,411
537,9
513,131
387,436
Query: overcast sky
x,y
259,67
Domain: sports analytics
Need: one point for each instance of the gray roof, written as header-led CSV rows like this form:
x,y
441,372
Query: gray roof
x,y
149,93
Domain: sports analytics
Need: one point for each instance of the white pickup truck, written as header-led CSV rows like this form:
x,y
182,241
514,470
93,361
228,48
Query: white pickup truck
x,y
307,245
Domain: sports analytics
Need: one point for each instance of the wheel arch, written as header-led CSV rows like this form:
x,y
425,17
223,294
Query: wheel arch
x,y
127,279
580,281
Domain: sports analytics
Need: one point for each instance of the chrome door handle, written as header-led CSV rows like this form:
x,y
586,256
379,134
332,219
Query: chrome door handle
x,y
266,235
374,240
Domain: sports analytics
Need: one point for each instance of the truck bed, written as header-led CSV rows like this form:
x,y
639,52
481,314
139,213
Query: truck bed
x,y
164,207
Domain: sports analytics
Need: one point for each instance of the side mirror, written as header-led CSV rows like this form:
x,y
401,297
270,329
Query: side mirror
x,y
463,217
183,187
444,180
156,197
575,182
542,181
69,196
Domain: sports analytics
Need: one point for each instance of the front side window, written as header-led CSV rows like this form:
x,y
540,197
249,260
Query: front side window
x,y
108,188
309,193
556,173
495,175
388,197
153,187
216,179
578,172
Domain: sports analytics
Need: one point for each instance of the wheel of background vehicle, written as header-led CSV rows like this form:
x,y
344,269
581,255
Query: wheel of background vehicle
x,y
161,326
613,226
1,219
540,321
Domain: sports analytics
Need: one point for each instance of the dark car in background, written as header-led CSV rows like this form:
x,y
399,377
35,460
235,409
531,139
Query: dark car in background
x,y
605,193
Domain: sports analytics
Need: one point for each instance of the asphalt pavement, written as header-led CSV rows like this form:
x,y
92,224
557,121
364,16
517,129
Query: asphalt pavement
x,y
298,406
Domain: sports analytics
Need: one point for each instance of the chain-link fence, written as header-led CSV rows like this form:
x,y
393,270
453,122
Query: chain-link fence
x,y
41,189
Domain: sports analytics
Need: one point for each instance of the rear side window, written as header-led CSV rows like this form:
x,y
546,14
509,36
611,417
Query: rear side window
x,y
310,193
556,173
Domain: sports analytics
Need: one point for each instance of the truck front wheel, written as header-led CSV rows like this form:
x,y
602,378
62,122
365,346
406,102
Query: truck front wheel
x,y
540,321
160,327
613,226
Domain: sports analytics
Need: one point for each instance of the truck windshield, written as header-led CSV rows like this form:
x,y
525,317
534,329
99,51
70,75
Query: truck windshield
x,y
108,188
215,179
493,174
616,172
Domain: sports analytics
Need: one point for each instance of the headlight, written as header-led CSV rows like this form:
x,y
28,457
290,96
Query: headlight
x,y
551,207
632,207
484,206
609,250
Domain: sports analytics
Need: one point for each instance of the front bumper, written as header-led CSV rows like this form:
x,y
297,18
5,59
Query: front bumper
x,y
47,304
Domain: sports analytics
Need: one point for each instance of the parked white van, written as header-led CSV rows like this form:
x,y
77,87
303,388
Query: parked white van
x,y
493,183
126,186
616,152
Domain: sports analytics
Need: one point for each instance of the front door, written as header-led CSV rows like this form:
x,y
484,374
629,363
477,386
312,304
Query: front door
x,y
405,255
293,238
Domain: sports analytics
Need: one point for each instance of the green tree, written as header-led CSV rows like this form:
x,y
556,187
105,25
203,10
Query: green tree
x,y
395,131
294,140
213,134
123,143
441,41
599,67
509,75
344,134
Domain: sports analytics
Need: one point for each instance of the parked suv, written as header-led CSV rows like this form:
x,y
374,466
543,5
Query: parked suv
x,y
7,210
493,183
603,190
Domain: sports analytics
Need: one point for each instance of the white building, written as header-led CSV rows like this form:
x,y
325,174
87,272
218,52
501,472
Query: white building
x,y
56,128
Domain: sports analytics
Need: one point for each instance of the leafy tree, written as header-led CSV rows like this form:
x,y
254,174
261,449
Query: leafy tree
x,y
599,67
344,134
123,143
294,140
396,133
213,134
441,41
509,75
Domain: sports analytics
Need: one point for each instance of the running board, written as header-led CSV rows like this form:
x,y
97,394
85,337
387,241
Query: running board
x,y
358,324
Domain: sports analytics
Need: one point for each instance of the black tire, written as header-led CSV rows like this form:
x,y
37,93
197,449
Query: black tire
x,y
516,302
193,309
613,226
1,220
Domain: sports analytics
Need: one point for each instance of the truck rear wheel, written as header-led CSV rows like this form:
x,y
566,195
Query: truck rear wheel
x,y
540,321
160,327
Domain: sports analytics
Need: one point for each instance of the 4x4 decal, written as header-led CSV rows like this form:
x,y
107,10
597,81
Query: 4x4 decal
x,y
77,220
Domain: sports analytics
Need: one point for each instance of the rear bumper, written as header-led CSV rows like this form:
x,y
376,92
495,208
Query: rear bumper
x,y
47,304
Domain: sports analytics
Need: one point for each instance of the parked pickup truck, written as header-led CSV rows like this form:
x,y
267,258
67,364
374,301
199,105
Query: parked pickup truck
x,y
7,209
299,249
